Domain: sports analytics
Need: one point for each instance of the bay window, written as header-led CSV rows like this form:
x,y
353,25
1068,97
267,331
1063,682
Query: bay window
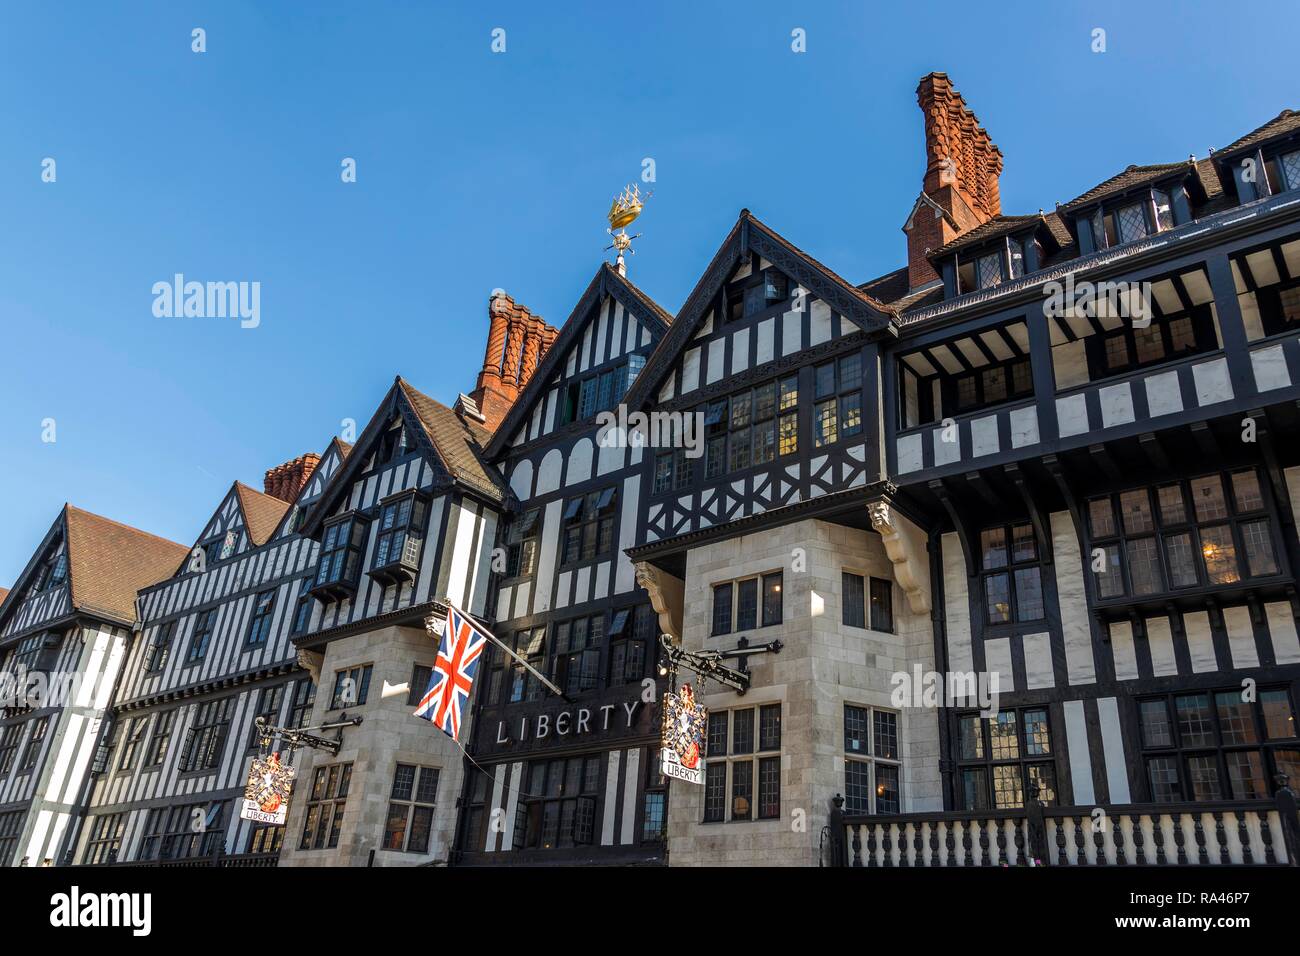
x,y
340,558
399,539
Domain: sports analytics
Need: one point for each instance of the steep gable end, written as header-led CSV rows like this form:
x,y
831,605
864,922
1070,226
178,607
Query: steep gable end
x,y
760,300
613,327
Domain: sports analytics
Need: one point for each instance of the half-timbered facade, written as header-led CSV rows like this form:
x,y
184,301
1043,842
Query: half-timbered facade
x,y
65,633
404,527
573,778
1046,456
214,652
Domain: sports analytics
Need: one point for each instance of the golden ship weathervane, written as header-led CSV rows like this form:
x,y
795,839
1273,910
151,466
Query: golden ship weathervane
x,y
623,212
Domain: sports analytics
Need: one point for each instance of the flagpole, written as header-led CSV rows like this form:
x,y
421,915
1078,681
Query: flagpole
x,y
546,681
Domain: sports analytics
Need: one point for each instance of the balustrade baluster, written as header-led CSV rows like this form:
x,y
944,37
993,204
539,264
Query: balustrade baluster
x,y
1061,858
1082,857
933,859
1179,838
1139,854
1221,838
1158,835
1001,830
1243,834
1266,834
1199,832
871,844
1120,858
950,842
887,845
984,844
968,854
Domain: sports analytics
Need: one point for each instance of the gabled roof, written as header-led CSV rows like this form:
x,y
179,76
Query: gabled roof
x,y
1132,177
458,443
1285,122
606,281
453,446
1004,226
109,562
746,236
262,513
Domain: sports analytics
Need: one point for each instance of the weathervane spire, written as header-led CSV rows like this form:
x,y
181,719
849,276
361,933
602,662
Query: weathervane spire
x,y
623,212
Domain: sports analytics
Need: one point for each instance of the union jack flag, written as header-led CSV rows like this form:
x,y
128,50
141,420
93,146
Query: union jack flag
x,y
463,643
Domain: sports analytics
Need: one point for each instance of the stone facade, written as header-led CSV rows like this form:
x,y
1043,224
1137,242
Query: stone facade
x,y
822,666
388,735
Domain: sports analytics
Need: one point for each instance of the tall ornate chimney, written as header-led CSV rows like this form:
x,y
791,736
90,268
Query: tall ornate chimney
x,y
517,341
285,481
960,187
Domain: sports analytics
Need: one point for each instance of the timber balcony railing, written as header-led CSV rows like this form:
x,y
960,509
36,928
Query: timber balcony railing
x,y
1245,832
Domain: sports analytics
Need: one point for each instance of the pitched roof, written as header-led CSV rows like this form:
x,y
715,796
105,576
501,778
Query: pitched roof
x,y
109,562
606,280
1003,226
262,513
458,443
1131,177
1284,122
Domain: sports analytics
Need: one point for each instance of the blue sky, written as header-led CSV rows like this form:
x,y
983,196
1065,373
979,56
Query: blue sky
x,y
477,170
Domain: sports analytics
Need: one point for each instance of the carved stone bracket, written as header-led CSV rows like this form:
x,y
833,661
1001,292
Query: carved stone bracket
x,y
667,594
311,661
905,546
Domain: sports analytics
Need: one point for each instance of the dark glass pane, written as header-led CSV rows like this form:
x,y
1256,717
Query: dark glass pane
x,y
997,597
971,738
742,732
1003,740
1279,721
855,729
1236,718
1135,506
993,547
1101,518
1195,725
1029,595
1153,716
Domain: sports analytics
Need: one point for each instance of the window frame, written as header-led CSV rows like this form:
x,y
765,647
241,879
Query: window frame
x,y
1023,761
868,757
756,751
1162,530
1181,752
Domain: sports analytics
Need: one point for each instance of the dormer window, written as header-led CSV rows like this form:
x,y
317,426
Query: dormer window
x,y
219,549
1016,248
1132,222
1289,163
988,270
401,535
340,558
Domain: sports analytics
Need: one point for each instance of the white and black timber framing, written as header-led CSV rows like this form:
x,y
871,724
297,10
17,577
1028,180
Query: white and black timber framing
x,y
604,736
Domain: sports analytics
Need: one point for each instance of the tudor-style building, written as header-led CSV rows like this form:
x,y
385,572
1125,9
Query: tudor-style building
x,y
65,632
572,779
214,652
405,526
990,462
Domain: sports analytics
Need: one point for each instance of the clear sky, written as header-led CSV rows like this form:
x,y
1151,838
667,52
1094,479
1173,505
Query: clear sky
x,y
476,170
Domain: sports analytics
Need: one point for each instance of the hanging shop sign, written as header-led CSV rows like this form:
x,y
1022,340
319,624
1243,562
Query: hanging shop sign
x,y
683,738
266,795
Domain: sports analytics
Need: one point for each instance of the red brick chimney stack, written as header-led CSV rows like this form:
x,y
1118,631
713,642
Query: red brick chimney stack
x,y
517,341
285,481
960,188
